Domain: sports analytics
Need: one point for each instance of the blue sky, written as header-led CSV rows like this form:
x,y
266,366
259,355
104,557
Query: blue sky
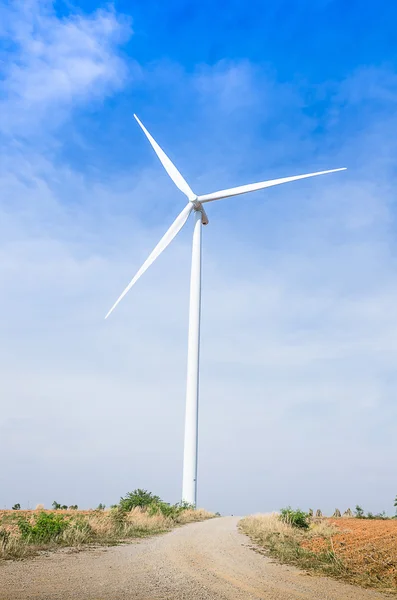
x,y
299,286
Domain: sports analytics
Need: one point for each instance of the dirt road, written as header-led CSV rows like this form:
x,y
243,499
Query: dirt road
x,y
208,560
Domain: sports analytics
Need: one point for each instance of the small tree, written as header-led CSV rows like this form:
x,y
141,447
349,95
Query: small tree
x,y
16,506
395,504
57,506
359,512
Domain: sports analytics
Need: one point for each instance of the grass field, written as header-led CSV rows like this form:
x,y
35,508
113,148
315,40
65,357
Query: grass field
x,y
360,551
25,532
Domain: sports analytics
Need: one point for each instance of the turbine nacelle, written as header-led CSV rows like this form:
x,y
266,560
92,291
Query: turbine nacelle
x,y
198,207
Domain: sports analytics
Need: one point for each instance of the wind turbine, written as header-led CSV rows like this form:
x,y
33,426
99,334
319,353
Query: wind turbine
x,y
195,204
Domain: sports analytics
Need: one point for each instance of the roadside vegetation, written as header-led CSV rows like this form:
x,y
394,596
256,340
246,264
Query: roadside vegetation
x,y
140,513
356,547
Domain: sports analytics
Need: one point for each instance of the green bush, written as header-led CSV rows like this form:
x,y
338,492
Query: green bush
x,y
296,518
152,504
138,498
183,505
167,510
47,527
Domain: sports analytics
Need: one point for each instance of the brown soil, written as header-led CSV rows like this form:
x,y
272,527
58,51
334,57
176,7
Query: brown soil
x,y
368,547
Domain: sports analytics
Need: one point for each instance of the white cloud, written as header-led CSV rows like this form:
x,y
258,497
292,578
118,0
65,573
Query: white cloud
x,y
56,63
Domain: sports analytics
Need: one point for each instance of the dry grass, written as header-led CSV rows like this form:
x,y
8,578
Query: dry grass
x,y
264,527
285,542
191,516
261,527
321,528
323,548
13,547
88,527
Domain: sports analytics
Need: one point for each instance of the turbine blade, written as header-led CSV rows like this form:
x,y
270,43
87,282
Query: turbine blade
x,y
161,246
252,187
168,165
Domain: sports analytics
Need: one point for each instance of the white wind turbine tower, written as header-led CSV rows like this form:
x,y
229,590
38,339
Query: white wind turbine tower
x,y
195,204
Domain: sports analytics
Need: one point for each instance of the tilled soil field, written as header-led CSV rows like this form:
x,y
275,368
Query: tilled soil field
x,y
367,547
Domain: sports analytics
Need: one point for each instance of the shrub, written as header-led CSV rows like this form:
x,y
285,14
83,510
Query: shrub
x,y
152,504
101,506
296,518
167,510
47,527
16,507
183,505
170,511
138,499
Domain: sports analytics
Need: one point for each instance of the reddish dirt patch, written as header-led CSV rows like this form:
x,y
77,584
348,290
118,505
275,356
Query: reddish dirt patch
x,y
365,547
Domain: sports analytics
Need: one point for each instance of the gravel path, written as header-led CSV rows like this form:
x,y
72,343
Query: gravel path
x,y
208,560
